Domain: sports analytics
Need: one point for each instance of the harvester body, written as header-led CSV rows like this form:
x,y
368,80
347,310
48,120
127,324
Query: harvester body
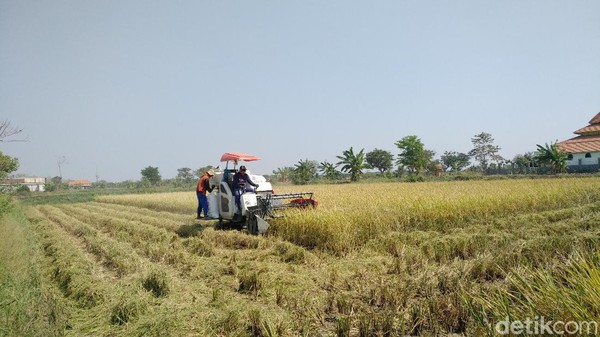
x,y
257,204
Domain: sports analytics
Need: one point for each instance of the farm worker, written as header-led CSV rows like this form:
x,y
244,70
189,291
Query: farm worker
x,y
240,179
201,189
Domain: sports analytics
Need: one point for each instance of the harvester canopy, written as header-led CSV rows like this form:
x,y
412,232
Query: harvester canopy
x,y
235,157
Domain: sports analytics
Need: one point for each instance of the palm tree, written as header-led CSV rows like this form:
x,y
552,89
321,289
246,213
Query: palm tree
x,y
305,171
353,163
283,173
552,156
329,170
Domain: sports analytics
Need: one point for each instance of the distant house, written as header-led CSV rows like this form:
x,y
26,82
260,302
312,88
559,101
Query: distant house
x,y
35,184
81,184
584,150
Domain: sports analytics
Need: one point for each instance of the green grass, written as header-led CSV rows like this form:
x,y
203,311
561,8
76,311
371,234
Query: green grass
x,y
76,195
28,307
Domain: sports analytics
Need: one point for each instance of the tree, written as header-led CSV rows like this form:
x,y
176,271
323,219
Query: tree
x,y
455,161
53,184
435,166
151,175
329,170
352,163
7,131
185,174
552,156
484,150
8,165
305,171
381,160
524,162
199,172
413,156
56,180
283,174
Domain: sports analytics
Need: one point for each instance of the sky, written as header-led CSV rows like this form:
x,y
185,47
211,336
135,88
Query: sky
x,y
116,86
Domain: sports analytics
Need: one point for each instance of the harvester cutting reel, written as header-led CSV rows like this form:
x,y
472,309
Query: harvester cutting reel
x,y
266,205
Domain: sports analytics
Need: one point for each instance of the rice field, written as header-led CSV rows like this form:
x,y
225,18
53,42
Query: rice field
x,y
380,259
351,215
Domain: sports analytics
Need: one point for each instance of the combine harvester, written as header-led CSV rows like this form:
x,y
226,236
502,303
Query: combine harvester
x,y
258,204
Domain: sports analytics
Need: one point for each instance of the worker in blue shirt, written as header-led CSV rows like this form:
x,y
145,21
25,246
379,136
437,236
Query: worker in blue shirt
x,y
240,179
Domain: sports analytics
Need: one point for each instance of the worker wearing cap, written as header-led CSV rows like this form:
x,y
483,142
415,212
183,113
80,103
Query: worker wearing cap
x,y
201,189
240,179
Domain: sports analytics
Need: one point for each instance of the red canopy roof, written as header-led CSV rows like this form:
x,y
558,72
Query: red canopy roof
x,y
238,156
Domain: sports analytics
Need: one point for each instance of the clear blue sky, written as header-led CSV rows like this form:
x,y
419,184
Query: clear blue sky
x,y
115,86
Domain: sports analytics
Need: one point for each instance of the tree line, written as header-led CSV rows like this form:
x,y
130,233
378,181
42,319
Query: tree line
x,y
415,160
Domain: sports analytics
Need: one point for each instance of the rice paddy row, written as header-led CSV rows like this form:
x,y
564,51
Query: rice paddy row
x,y
130,270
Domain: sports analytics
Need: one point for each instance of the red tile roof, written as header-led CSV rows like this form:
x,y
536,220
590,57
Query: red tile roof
x,y
588,129
588,141
581,144
80,183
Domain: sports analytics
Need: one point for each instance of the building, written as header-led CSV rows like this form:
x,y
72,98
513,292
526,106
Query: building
x,y
584,150
35,184
82,184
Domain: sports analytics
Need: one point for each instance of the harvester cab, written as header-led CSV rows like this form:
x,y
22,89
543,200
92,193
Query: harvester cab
x,y
257,204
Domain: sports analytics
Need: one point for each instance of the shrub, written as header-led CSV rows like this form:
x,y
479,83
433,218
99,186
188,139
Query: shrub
x,y
22,190
5,204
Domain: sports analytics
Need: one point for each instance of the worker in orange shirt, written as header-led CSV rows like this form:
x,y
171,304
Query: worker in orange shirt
x,y
201,189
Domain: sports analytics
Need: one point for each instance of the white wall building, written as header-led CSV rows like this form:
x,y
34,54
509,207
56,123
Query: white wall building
x,y
35,184
584,150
